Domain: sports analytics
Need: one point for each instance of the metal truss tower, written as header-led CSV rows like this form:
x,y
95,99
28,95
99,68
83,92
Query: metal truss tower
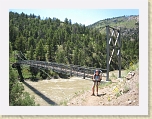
x,y
113,47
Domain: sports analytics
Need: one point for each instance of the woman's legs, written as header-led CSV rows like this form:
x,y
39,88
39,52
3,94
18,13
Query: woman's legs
x,y
95,84
93,88
97,88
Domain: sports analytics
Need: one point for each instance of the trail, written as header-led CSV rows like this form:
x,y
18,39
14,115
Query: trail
x,y
111,95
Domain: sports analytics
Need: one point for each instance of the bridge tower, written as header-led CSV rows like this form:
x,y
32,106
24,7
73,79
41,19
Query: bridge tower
x,y
18,66
113,47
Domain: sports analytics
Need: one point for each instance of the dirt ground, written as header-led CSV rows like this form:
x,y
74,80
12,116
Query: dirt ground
x,y
77,91
56,91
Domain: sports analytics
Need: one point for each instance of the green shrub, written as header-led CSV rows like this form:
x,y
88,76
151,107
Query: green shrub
x,y
53,74
17,96
64,103
118,94
126,89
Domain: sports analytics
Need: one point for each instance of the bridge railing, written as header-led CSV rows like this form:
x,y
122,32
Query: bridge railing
x,y
70,69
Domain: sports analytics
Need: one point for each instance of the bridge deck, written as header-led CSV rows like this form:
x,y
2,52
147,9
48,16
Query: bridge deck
x,y
75,70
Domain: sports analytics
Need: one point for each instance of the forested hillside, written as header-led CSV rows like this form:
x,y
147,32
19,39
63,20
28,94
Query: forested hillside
x,y
53,40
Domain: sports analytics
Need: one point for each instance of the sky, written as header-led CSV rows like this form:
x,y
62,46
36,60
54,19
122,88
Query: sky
x,y
83,16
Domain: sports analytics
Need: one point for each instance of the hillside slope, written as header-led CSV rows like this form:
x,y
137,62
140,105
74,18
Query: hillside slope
x,y
128,24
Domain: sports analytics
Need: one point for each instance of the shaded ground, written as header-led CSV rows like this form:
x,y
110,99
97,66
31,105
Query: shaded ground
x,y
77,91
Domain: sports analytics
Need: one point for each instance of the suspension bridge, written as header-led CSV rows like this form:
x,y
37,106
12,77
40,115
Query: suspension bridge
x,y
71,70
77,70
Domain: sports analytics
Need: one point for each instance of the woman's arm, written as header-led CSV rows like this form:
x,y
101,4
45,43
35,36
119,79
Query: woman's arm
x,y
93,78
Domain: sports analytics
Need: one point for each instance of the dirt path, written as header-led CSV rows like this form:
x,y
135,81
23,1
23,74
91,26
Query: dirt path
x,y
77,91
119,93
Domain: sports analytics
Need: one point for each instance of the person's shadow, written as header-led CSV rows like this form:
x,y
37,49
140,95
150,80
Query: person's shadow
x,y
99,95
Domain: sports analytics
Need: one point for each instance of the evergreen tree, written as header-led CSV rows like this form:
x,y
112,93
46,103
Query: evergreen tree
x,y
13,33
31,42
10,48
20,44
39,52
75,56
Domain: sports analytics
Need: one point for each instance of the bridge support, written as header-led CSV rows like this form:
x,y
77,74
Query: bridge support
x,y
107,30
18,67
84,74
119,55
114,42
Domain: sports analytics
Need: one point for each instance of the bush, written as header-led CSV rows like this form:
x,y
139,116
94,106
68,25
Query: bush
x,y
17,96
26,100
54,74
126,89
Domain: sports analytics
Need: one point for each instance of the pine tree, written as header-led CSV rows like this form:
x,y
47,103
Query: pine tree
x,y
20,44
31,42
10,48
31,53
39,52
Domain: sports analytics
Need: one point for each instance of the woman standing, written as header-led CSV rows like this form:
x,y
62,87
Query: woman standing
x,y
96,80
